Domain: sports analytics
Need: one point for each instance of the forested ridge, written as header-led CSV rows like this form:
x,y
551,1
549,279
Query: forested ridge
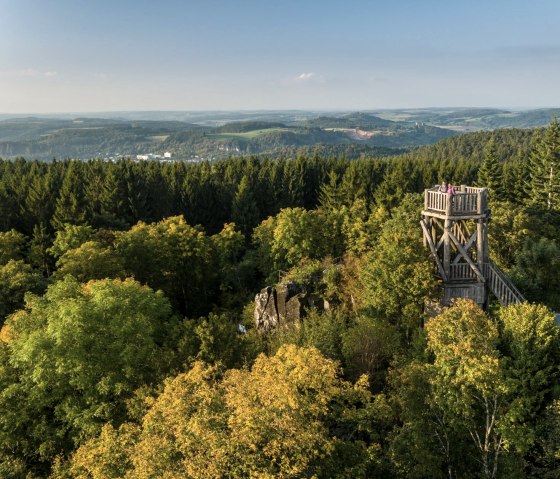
x,y
129,348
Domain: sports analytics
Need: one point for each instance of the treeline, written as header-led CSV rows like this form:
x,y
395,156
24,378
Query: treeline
x,y
129,347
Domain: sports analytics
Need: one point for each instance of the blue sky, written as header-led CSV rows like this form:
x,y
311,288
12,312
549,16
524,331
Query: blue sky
x,y
99,55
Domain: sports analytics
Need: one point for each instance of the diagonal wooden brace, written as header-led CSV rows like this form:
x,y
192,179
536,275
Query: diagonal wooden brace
x,y
472,239
428,237
465,255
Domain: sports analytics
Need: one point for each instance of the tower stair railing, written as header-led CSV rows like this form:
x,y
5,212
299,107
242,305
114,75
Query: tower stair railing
x,y
501,286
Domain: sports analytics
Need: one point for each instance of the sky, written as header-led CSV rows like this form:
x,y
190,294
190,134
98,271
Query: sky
x,y
123,55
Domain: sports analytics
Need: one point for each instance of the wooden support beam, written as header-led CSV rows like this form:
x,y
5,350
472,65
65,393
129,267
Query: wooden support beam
x,y
480,243
440,242
437,223
428,237
467,246
466,256
447,247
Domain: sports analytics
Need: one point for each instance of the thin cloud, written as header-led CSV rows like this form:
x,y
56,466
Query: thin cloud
x,y
308,77
50,74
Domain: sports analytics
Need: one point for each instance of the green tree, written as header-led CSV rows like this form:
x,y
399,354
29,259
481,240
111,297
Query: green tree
x,y
12,244
538,271
244,210
519,188
490,174
547,462
91,260
396,276
423,445
39,246
294,234
468,380
530,342
16,279
511,227
545,168
368,347
69,204
362,228
113,200
330,194
173,256
38,204
77,355
70,237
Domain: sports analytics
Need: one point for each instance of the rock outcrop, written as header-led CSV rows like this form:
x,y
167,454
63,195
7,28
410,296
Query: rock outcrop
x,y
279,305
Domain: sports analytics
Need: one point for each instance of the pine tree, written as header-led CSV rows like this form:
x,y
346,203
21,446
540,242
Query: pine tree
x,y
244,209
39,204
94,176
520,178
545,166
69,208
490,174
39,245
294,182
112,201
330,194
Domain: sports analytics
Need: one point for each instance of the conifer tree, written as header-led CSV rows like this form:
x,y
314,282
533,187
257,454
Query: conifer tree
x,y
39,245
490,174
244,210
520,178
69,208
330,195
7,207
293,179
112,200
39,204
94,176
545,166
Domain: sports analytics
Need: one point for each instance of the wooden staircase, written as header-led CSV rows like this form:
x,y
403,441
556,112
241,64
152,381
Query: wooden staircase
x,y
501,286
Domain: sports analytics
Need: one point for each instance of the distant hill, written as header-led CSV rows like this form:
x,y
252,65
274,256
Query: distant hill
x,y
213,135
246,126
353,120
474,118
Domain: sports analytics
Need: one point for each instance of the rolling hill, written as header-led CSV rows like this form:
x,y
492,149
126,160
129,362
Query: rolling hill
x,y
210,135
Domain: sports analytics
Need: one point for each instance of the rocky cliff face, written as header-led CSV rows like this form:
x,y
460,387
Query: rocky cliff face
x,y
282,304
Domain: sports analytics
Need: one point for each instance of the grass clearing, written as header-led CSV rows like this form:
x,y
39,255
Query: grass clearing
x,y
248,135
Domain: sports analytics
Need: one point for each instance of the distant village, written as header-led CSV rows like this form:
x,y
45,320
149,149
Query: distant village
x,y
167,157
150,156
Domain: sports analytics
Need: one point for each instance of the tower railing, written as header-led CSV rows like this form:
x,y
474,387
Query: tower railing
x,y
467,200
461,272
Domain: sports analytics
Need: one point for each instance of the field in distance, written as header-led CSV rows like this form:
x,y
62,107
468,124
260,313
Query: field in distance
x,y
198,136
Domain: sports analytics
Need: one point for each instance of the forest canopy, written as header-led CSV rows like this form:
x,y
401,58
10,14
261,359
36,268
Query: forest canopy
x,y
128,345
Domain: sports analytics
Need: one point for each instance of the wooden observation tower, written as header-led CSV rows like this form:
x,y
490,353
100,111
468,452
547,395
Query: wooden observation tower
x,y
456,231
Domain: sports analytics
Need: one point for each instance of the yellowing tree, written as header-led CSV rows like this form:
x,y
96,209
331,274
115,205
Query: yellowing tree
x,y
290,415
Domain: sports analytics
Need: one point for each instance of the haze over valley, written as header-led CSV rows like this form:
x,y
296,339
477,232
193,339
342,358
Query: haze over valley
x,y
198,136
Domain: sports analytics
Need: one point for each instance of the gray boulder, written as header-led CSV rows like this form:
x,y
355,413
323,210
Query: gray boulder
x,y
279,305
